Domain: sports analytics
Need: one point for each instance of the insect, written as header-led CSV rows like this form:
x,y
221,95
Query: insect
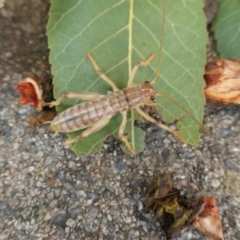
x,y
98,109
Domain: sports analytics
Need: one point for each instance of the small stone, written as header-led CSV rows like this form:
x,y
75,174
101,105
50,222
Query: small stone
x,y
62,232
134,233
215,183
93,213
225,132
121,166
128,219
236,149
71,223
50,195
67,229
82,193
47,228
47,217
140,206
57,192
38,184
89,202
60,220
109,217
28,176
53,203
68,186
105,146
49,160
71,164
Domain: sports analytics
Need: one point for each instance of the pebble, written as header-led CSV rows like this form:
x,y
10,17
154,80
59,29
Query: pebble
x,y
109,217
93,212
38,184
71,164
128,219
60,220
82,193
67,229
89,202
71,223
49,160
50,195
225,132
215,183
47,216
121,166
140,206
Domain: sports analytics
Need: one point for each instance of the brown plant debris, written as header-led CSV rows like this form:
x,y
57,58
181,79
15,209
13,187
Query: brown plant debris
x,y
46,115
223,81
30,93
208,221
37,91
176,212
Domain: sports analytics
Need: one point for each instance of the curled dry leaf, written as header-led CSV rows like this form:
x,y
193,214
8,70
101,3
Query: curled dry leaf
x,y
208,221
223,81
30,93
37,91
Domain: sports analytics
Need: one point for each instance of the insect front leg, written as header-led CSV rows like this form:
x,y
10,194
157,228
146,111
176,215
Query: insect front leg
x,y
88,96
152,120
135,68
101,74
94,128
121,135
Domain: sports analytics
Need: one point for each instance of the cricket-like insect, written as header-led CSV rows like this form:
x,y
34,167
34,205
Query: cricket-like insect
x,y
98,109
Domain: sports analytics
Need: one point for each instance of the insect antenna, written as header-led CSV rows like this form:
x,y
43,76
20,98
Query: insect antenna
x,y
178,105
158,70
161,45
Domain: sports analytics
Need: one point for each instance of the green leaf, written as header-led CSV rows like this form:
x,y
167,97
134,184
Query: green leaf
x,y
120,33
227,28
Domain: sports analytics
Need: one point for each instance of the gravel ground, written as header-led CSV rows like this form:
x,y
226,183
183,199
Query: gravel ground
x,y
49,193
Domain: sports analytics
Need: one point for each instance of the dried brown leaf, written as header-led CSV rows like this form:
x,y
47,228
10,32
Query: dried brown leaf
x,y
208,221
223,81
175,211
30,93
37,91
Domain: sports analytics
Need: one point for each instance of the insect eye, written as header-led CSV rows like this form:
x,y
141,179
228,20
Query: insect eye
x,y
152,98
147,82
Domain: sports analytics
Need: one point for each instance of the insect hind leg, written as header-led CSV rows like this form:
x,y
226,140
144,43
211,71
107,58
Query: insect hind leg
x,y
135,68
101,74
152,120
94,128
121,135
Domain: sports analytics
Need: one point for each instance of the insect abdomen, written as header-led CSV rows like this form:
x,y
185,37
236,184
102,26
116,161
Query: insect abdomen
x,y
82,115
86,114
